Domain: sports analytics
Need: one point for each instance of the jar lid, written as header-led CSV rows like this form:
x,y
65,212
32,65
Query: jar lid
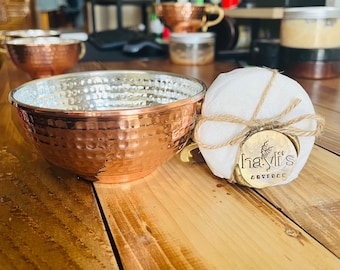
x,y
311,13
192,37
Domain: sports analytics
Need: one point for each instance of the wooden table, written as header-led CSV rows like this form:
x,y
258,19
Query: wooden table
x,y
180,216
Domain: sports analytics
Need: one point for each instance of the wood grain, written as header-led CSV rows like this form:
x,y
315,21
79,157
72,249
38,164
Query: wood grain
x,y
130,207
313,199
181,217
48,218
323,93
330,137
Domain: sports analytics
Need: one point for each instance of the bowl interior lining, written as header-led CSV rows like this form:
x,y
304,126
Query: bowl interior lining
x,y
113,92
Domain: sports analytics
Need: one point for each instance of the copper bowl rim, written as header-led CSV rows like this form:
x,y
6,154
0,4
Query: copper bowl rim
x,y
31,33
187,4
109,112
41,41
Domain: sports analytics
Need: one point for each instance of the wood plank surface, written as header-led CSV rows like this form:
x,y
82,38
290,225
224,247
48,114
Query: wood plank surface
x,y
323,93
182,217
48,218
313,199
129,212
330,138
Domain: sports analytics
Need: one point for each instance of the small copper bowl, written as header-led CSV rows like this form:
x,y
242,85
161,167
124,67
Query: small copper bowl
x,y
109,126
43,57
32,33
187,17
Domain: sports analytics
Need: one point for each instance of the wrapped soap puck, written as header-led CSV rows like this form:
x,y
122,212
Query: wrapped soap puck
x,y
257,127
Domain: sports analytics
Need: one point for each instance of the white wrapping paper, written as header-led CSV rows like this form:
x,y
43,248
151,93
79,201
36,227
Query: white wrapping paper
x,y
238,93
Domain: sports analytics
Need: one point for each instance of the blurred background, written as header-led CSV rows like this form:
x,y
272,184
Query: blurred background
x,y
249,32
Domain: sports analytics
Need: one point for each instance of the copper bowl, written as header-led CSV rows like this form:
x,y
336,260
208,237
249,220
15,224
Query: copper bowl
x,y
43,57
109,126
187,17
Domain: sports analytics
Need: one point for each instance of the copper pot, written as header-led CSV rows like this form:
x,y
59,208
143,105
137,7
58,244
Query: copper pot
x,y
109,126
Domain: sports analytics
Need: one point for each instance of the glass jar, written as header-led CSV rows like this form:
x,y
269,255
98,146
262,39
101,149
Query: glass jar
x,y
192,48
310,27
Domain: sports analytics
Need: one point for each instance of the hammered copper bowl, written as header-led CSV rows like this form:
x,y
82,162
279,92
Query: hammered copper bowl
x,y
43,57
187,17
109,126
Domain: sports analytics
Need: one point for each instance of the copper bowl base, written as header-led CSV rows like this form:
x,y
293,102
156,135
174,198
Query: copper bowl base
x,y
110,179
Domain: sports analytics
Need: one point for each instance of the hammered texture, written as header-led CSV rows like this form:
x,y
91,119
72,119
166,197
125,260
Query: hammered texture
x,y
42,57
109,126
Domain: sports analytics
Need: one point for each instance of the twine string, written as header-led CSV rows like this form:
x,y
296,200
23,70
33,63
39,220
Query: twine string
x,y
255,125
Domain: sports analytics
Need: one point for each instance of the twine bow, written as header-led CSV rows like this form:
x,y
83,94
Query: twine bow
x,y
254,124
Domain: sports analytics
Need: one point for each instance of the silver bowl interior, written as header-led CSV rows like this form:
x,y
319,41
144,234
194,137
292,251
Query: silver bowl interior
x,y
31,33
107,90
41,41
